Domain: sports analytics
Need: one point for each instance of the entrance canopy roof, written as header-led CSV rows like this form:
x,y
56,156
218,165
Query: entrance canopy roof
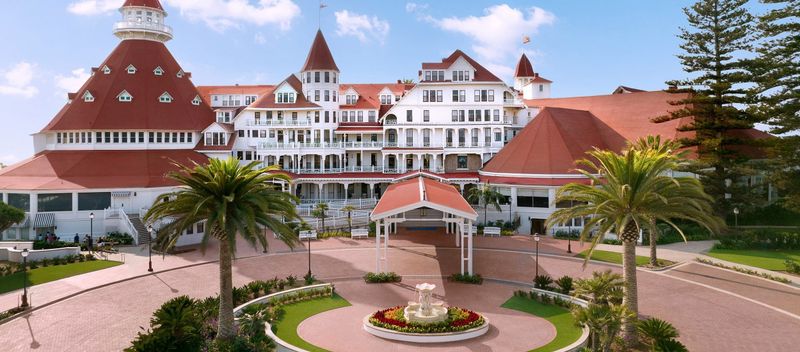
x,y
422,192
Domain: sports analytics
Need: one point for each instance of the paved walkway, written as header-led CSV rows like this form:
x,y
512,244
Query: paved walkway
x,y
715,310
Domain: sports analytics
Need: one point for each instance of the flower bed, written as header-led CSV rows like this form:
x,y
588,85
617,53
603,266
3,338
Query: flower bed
x,y
459,319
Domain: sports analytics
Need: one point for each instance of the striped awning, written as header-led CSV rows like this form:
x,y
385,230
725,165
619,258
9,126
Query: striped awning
x,y
24,223
117,194
44,220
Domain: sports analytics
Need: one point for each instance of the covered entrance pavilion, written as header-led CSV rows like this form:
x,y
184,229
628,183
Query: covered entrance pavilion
x,y
424,202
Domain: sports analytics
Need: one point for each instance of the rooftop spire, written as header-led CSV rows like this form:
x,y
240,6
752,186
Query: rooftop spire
x,y
524,67
319,57
143,19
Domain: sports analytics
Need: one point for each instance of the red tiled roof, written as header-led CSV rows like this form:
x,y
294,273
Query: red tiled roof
x,y
628,114
145,111
319,57
267,101
552,142
540,79
62,170
369,94
529,181
420,192
481,74
524,67
201,146
146,3
624,89
207,91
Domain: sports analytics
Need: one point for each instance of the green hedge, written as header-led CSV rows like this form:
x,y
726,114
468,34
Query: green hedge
x,y
693,232
761,239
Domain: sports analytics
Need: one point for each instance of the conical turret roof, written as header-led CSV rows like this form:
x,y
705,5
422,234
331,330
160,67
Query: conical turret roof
x,y
144,3
524,67
319,57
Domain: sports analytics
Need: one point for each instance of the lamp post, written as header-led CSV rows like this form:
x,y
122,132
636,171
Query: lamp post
x,y
309,256
25,278
91,224
150,248
736,216
536,239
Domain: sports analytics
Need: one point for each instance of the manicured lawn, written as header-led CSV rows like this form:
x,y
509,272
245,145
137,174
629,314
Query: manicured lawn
x,y
286,327
566,331
51,273
616,258
761,258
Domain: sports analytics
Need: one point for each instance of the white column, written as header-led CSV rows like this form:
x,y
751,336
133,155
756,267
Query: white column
x,y
378,246
345,190
461,250
319,195
419,161
386,250
469,247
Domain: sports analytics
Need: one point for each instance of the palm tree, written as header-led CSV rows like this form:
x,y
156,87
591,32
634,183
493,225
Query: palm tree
x,y
486,195
231,199
655,330
629,191
349,209
604,323
666,148
604,287
319,212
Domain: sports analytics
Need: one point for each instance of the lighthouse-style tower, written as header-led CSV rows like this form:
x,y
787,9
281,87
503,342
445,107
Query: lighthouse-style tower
x,y
529,82
320,78
143,19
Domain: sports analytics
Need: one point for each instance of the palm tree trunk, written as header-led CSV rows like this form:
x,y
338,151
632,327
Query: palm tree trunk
x,y
631,297
225,324
653,256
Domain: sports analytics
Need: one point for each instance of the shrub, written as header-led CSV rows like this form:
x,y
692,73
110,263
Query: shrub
x,y
291,280
745,271
45,262
654,330
121,238
667,234
309,278
11,312
373,278
56,244
565,234
564,284
792,266
176,326
612,242
760,239
475,279
670,346
543,282
89,257
33,264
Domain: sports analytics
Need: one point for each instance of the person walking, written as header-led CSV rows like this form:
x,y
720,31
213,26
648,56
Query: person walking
x,y
77,239
89,244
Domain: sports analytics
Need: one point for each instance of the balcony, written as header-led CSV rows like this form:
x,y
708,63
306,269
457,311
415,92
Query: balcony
x,y
280,123
298,145
362,145
517,102
128,26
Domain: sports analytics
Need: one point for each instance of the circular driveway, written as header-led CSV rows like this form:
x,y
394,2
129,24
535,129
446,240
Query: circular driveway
x,y
714,310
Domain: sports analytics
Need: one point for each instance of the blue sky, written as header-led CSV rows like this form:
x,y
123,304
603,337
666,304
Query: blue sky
x,y
585,47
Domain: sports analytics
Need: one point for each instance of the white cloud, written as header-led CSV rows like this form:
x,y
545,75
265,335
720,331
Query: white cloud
x,y
8,159
223,14
414,7
362,27
18,81
217,14
260,39
498,33
72,82
93,7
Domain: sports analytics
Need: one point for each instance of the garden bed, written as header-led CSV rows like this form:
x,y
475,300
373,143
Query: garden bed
x,y
769,259
458,319
544,304
616,258
42,275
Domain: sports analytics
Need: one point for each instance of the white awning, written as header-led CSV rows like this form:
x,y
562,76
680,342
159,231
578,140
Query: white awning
x,y
44,220
118,194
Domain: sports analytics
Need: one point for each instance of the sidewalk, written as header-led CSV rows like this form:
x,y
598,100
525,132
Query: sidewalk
x,y
681,252
135,262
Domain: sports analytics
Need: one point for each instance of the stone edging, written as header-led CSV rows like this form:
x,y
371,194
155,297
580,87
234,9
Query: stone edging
x,y
584,338
425,338
282,346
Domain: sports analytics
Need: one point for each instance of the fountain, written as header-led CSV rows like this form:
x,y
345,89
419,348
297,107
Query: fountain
x,y
426,321
425,312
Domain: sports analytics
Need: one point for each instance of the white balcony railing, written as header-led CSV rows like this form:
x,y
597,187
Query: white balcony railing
x,y
298,145
281,122
156,27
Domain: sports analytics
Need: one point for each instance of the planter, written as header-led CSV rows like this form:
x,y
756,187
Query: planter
x,y
425,338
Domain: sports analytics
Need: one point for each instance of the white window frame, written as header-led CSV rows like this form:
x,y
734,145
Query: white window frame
x,y
158,71
165,98
106,70
125,97
196,100
131,69
88,97
179,74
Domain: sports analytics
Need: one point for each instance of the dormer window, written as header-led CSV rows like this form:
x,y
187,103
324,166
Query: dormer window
x,y
215,139
165,98
158,71
179,74
285,98
131,69
88,97
196,100
106,70
350,99
125,97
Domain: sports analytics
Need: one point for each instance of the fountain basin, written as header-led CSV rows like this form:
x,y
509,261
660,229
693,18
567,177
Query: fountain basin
x,y
425,337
